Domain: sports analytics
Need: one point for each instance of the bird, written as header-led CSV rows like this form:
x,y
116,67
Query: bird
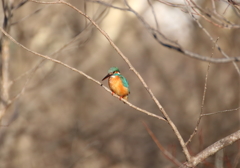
x,y
117,83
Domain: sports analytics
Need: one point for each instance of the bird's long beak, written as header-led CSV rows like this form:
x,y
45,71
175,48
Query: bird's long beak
x,y
107,76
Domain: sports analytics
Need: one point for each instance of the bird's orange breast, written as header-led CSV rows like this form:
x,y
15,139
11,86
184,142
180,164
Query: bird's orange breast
x,y
117,86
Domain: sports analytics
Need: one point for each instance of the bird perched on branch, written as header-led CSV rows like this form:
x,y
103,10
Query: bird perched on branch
x,y
117,83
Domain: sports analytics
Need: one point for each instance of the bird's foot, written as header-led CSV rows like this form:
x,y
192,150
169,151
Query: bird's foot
x,y
120,98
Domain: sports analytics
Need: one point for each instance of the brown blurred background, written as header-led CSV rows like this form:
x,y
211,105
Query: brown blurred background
x,y
64,120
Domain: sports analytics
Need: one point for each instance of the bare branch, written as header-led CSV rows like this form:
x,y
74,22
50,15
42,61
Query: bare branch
x,y
167,154
218,112
20,4
154,14
30,15
108,5
181,6
212,149
214,6
203,101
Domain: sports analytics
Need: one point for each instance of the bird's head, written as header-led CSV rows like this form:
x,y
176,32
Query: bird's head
x,y
111,71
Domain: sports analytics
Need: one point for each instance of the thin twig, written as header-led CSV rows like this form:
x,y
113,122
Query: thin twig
x,y
214,6
167,154
108,5
154,14
181,6
22,91
218,112
19,5
203,101
28,16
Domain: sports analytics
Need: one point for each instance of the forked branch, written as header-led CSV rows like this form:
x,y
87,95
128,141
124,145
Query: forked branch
x,y
212,149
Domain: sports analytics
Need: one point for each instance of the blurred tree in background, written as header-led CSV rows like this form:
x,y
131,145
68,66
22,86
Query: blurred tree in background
x,y
53,117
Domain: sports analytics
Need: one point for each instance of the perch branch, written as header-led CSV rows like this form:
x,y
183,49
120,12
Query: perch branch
x,y
80,72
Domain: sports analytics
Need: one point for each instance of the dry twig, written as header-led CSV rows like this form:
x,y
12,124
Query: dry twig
x,y
167,154
223,111
203,102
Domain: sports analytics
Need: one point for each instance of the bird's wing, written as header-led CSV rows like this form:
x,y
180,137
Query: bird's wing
x,y
125,82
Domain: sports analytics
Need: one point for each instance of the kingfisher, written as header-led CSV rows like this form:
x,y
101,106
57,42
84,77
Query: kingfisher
x,y
117,83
